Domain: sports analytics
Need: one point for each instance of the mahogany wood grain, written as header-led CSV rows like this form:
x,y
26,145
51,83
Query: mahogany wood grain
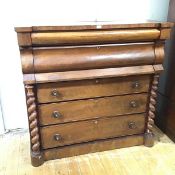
x,y
93,37
159,52
97,25
165,33
92,67
92,88
92,57
94,146
27,60
149,136
36,152
92,108
93,74
24,39
90,130
158,68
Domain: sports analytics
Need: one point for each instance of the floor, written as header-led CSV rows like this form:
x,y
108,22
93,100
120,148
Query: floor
x,y
138,160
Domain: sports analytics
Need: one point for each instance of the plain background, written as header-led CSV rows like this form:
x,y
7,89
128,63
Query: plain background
x,y
52,12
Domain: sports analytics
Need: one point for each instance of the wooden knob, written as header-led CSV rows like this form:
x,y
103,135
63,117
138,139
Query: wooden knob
x,y
96,81
131,125
57,137
54,93
95,122
56,114
133,104
135,85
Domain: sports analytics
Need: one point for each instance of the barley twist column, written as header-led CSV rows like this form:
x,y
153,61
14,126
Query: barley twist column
x,y
149,136
36,156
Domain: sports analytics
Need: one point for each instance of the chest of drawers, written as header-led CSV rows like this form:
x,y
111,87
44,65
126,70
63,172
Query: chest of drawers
x,y
91,87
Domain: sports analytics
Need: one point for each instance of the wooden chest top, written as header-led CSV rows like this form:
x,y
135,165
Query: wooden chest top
x,y
48,51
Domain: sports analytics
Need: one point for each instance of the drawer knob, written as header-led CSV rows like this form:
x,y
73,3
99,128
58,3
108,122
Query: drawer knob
x,y
136,84
57,137
133,104
56,114
55,93
131,125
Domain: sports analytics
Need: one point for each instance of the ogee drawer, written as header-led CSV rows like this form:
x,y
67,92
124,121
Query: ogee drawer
x,y
83,131
92,57
92,108
64,91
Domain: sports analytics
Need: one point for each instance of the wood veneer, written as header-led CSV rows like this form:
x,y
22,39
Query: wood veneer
x,y
90,87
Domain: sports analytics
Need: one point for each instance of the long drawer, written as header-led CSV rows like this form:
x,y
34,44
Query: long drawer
x,y
94,146
92,57
93,36
52,92
83,131
92,108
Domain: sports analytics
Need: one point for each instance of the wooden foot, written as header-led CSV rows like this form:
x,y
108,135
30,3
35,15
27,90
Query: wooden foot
x,y
149,139
36,159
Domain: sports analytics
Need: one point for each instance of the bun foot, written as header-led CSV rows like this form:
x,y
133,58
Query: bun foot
x,y
149,139
36,159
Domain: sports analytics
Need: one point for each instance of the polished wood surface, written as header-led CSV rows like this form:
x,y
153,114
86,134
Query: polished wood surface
x,y
92,108
97,25
88,83
33,126
24,39
83,89
92,57
159,53
165,33
27,61
92,74
91,147
92,129
149,138
94,37
158,68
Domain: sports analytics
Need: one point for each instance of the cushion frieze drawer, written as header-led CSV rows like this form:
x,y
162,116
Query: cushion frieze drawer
x,y
63,91
83,131
92,57
91,108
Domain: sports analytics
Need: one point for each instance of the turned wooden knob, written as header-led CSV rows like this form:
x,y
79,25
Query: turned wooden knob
x,y
56,114
133,104
57,137
54,93
136,84
132,125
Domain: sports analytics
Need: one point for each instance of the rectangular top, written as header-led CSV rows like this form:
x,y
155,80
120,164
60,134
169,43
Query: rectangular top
x,y
95,26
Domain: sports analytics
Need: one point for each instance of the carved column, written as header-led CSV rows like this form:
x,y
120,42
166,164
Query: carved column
x,y
149,136
36,155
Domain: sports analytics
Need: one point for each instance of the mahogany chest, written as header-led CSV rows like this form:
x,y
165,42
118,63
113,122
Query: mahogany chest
x,y
91,87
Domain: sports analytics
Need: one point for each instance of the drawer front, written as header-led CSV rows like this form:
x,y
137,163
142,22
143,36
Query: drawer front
x,y
93,37
63,91
83,131
91,108
92,57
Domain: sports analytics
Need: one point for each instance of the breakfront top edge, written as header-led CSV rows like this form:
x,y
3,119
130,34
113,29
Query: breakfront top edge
x,y
94,26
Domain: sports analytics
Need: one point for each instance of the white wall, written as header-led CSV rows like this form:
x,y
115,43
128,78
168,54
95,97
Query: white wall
x,y
51,12
2,129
